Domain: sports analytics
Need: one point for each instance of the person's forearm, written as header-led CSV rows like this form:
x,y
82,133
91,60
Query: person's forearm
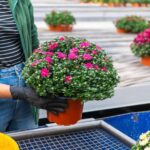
x,y
5,91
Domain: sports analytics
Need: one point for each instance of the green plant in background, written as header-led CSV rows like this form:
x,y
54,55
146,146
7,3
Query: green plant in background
x,y
86,1
118,1
59,18
132,24
134,1
115,1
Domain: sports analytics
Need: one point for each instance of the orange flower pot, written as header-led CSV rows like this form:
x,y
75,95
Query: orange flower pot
x,y
121,31
111,4
71,115
145,61
135,5
144,5
61,28
118,4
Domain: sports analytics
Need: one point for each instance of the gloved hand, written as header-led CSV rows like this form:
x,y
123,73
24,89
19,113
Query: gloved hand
x,y
51,103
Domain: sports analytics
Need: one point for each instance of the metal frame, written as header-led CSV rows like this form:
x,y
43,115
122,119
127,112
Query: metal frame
x,y
53,129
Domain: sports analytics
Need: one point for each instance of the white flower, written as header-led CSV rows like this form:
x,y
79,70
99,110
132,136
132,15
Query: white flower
x,y
147,148
144,142
147,133
143,136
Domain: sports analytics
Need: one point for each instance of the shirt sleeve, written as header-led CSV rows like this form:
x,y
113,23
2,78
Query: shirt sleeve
x,y
35,40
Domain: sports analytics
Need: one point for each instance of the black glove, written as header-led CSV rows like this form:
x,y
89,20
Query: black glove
x,y
51,103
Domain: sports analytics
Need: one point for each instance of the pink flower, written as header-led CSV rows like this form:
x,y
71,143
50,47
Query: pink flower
x,y
94,52
48,53
72,56
74,50
88,65
68,79
96,67
84,44
98,47
44,72
37,51
35,63
53,46
104,69
61,38
87,57
48,59
61,55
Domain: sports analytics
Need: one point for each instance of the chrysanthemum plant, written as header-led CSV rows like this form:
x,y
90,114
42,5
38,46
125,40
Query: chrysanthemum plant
x,y
143,142
141,44
71,67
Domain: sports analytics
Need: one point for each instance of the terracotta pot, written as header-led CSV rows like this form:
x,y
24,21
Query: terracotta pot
x,y
117,4
61,28
135,5
144,5
71,115
124,4
121,31
145,60
101,4
111,4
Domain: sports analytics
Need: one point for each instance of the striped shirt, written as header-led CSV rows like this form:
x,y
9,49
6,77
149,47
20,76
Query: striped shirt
x,y
11,52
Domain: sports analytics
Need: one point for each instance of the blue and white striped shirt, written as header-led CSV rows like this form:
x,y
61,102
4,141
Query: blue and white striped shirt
x,y
11,52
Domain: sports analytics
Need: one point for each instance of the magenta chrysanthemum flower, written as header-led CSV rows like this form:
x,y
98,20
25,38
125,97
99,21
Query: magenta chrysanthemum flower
x,y
68,79
37,51
96,67
98,47
74,50
53,46
48,59
61,55
94,52
87,57
48,53
44,72
88,65
84,44
61,38
35,63
104,69
143,37
72,56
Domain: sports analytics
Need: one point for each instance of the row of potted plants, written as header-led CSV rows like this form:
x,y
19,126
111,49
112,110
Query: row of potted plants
x,y
131,24
134,3
61,21
64,21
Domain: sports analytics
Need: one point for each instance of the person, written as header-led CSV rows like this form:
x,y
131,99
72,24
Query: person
x,y
18,38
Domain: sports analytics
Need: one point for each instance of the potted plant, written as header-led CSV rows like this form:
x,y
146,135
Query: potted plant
x,y
143,143
136,3
144,3
60,21
85,1
131,24
141,47
113,3
74,68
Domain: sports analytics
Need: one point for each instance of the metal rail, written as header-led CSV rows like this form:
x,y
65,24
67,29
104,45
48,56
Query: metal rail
x,y
83,125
